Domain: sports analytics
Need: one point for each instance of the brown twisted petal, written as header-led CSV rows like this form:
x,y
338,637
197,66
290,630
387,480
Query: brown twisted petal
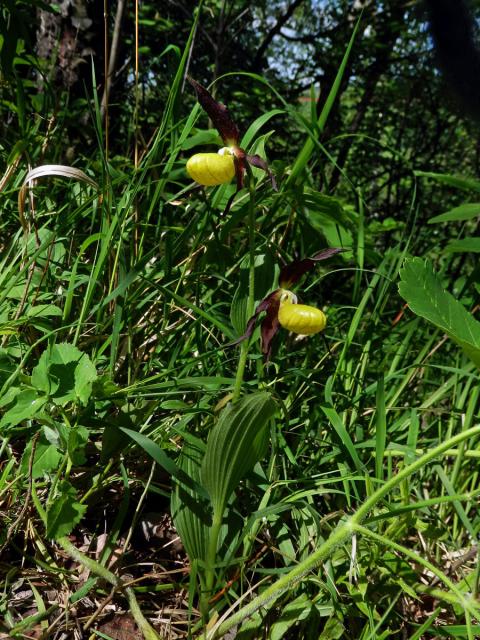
x,y
293,271
269,326
259,162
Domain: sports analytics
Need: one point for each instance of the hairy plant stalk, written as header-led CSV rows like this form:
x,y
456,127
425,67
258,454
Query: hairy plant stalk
x,y
340,535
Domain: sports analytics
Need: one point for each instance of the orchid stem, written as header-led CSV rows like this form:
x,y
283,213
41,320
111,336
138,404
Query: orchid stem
x,y
242,360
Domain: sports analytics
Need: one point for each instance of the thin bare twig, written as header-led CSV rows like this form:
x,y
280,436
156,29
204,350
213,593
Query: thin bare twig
x,y
112,57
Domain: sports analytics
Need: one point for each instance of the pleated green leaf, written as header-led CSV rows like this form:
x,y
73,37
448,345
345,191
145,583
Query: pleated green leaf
x,y
191,512
236,443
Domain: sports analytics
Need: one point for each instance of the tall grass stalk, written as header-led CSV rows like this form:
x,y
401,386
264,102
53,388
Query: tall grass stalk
x,y
242,360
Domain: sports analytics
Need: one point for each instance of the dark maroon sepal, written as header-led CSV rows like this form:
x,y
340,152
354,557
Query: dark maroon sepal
x,y
293,271
239,159
259,162
218,114
269,327
269,302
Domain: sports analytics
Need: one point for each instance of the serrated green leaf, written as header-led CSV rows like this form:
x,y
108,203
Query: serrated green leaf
x,y
233,446
64,512
423,292
465,211
64,353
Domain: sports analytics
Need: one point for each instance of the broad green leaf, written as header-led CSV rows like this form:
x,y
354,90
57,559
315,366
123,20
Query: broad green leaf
x,y
40,378
64,512
258,147
335,233
7,367
47,457
203,137
64,373
44,311
191,512
466,184
327,216
234,446
469,245
465,211
333,630
423,292
329,206
77,439
26,405
293,612
85,376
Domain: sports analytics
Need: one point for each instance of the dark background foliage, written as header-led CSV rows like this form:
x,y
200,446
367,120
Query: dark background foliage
x,y
392,91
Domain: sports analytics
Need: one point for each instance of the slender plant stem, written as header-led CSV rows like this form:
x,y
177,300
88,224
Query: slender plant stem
x,y
148,631
242,360
210,563
339,536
